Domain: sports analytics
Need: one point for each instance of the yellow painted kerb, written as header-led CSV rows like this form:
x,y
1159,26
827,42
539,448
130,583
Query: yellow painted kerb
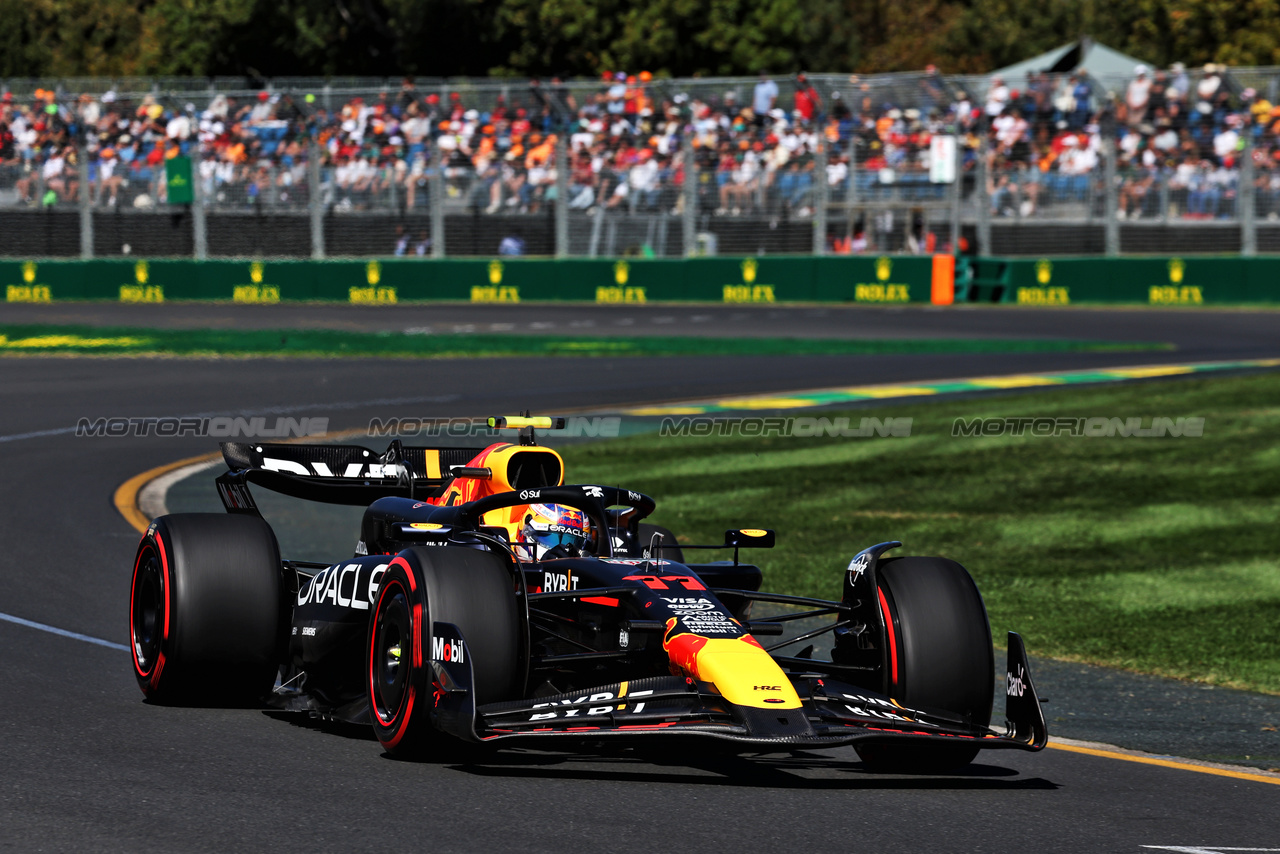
x,y
126,497
1169,763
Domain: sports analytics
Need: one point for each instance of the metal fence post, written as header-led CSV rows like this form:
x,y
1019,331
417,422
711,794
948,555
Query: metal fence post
x,y
820,198
957,189
437,189
199,227
562,194
689,218
315,199
1111,221
851,195
1245,198
86,202
982,199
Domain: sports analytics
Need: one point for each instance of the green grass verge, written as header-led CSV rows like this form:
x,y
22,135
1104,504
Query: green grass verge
x,y
32,339
1152,554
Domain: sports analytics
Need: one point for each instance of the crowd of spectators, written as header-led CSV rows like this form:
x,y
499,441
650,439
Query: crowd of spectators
x,y
1178,138
1178,142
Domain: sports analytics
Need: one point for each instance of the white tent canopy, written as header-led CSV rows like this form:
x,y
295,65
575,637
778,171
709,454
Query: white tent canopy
x,y
1098,60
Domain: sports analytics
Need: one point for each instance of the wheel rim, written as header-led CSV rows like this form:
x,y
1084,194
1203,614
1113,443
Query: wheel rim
x,y
389,662
148,613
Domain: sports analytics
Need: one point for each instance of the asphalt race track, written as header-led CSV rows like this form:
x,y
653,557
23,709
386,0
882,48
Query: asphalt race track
x,y
1198,334
89,766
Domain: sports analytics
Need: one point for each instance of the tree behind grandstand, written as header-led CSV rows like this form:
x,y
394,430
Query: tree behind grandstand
x,y
585,37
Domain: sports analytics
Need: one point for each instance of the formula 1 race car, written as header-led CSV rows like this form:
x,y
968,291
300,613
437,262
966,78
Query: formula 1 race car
x,y
487,602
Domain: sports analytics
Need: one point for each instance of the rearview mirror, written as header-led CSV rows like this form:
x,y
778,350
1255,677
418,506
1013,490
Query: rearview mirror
x,y
749,538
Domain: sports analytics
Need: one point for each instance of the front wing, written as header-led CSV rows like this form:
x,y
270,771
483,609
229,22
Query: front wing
x,y
831,714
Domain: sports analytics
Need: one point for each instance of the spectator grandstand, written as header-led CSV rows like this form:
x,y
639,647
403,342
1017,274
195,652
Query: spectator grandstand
x,y
752,163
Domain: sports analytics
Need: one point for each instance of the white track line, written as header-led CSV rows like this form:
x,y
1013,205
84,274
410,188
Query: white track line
x,y
53,630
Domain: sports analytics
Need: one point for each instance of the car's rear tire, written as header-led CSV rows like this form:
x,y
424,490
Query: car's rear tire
x,y
941,657
670,548
471,589
205,609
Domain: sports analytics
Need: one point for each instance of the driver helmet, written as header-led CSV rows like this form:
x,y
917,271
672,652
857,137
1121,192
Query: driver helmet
x,y
549,528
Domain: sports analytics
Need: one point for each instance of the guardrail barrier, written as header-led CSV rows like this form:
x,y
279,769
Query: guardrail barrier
x,y
882,280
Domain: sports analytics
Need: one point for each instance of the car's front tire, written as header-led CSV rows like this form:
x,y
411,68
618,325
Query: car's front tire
x,y
940,658
471,589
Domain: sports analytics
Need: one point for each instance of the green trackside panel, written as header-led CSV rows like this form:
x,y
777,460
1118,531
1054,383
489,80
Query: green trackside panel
x,y
728,280
255,282
1190,281
1262,280
140,280
469,281
659,279
873,279
48,281
300,280
792,276
13,282
535,279
418,279
506,280
28,281
1146,281
1160,281
833,279
218,280
360,282
476,280
390,280
387,281
1062,281
66,279
622,281
601,280
295,279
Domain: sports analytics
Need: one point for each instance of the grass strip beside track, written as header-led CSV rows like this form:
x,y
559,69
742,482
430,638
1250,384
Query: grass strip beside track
x,y
44,340
1151,554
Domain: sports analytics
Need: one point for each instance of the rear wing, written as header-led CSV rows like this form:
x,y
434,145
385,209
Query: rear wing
x,y
336,474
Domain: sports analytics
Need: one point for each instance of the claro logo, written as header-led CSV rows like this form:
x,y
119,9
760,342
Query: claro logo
x,y
1017,684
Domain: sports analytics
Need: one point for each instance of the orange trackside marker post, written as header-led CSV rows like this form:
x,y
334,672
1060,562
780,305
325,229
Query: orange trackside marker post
x,y
944,279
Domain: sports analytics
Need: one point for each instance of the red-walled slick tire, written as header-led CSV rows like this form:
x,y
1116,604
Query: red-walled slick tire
x,y
473,590
940,657
205,609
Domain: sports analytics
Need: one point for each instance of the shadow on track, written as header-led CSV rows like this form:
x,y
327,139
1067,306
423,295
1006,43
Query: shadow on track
x,y
768,772
355,732
653,764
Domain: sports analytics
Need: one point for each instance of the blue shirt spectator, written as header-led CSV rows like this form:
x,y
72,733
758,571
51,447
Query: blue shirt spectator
x,y
766,95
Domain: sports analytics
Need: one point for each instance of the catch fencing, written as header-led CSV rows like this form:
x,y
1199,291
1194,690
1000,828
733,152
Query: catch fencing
x,y
896,163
